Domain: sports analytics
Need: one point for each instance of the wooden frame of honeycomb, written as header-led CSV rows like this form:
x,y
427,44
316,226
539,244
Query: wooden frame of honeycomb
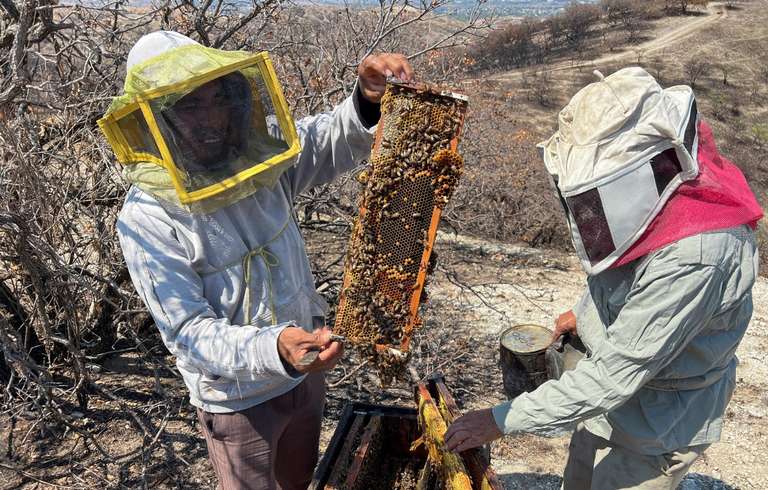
x,y
414,170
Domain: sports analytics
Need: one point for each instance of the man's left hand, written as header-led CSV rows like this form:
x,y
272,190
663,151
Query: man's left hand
x,y
565,324
472,430
374,70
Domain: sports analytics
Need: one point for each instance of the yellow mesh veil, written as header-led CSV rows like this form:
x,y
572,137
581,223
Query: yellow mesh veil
x,y
138,127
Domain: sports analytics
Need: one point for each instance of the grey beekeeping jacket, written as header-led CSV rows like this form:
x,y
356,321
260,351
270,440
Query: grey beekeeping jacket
x,y
189,270
661,335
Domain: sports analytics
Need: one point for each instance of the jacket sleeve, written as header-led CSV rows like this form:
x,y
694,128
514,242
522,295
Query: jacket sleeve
x,y
667,307
173,292
331,144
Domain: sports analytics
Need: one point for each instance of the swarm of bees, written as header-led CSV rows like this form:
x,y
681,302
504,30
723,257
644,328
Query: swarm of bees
x,y
414,170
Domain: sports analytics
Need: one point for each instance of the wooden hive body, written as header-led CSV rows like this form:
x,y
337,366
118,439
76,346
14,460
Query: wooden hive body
x,y
398,448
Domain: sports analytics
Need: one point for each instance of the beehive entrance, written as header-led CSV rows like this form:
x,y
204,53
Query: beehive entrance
x,y
414,170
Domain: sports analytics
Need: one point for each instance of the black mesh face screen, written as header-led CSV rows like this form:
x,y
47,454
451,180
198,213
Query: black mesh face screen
x,y
208,128
690,130
587,212
665,167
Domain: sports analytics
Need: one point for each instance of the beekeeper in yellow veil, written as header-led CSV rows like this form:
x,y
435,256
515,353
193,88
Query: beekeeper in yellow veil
x,y
209,238
194,123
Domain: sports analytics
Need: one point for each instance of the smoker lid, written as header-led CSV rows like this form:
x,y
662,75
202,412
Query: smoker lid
x,y
526,338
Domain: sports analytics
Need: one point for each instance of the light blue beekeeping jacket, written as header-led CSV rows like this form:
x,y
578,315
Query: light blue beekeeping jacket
x,y
188,270
661,335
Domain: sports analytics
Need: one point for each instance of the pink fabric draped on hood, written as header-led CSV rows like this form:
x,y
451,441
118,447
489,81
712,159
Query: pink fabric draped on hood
x,y
718,198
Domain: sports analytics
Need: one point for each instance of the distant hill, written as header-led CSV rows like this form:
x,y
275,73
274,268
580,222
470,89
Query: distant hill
x,y
504,8
514,8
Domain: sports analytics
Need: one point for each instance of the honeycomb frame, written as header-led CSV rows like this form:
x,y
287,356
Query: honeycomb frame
x,y
414,170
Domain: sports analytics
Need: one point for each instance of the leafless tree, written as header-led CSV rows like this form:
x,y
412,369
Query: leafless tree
x,y
555,29
627,14
724,69
579,21
539,86
657,66
695,68
511,46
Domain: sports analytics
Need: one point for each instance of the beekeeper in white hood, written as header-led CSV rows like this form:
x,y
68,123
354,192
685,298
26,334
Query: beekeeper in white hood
x,y
663,226
208,233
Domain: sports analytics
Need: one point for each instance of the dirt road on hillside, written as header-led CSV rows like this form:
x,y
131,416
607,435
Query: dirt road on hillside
x,y
716,12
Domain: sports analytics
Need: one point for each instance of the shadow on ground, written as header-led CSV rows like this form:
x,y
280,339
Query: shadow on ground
x,y
548,481
530,481
696,481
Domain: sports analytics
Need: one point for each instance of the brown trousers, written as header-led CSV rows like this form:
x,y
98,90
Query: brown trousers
x,y
271,445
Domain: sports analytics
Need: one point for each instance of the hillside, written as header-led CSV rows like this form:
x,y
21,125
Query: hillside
x,y
514,109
